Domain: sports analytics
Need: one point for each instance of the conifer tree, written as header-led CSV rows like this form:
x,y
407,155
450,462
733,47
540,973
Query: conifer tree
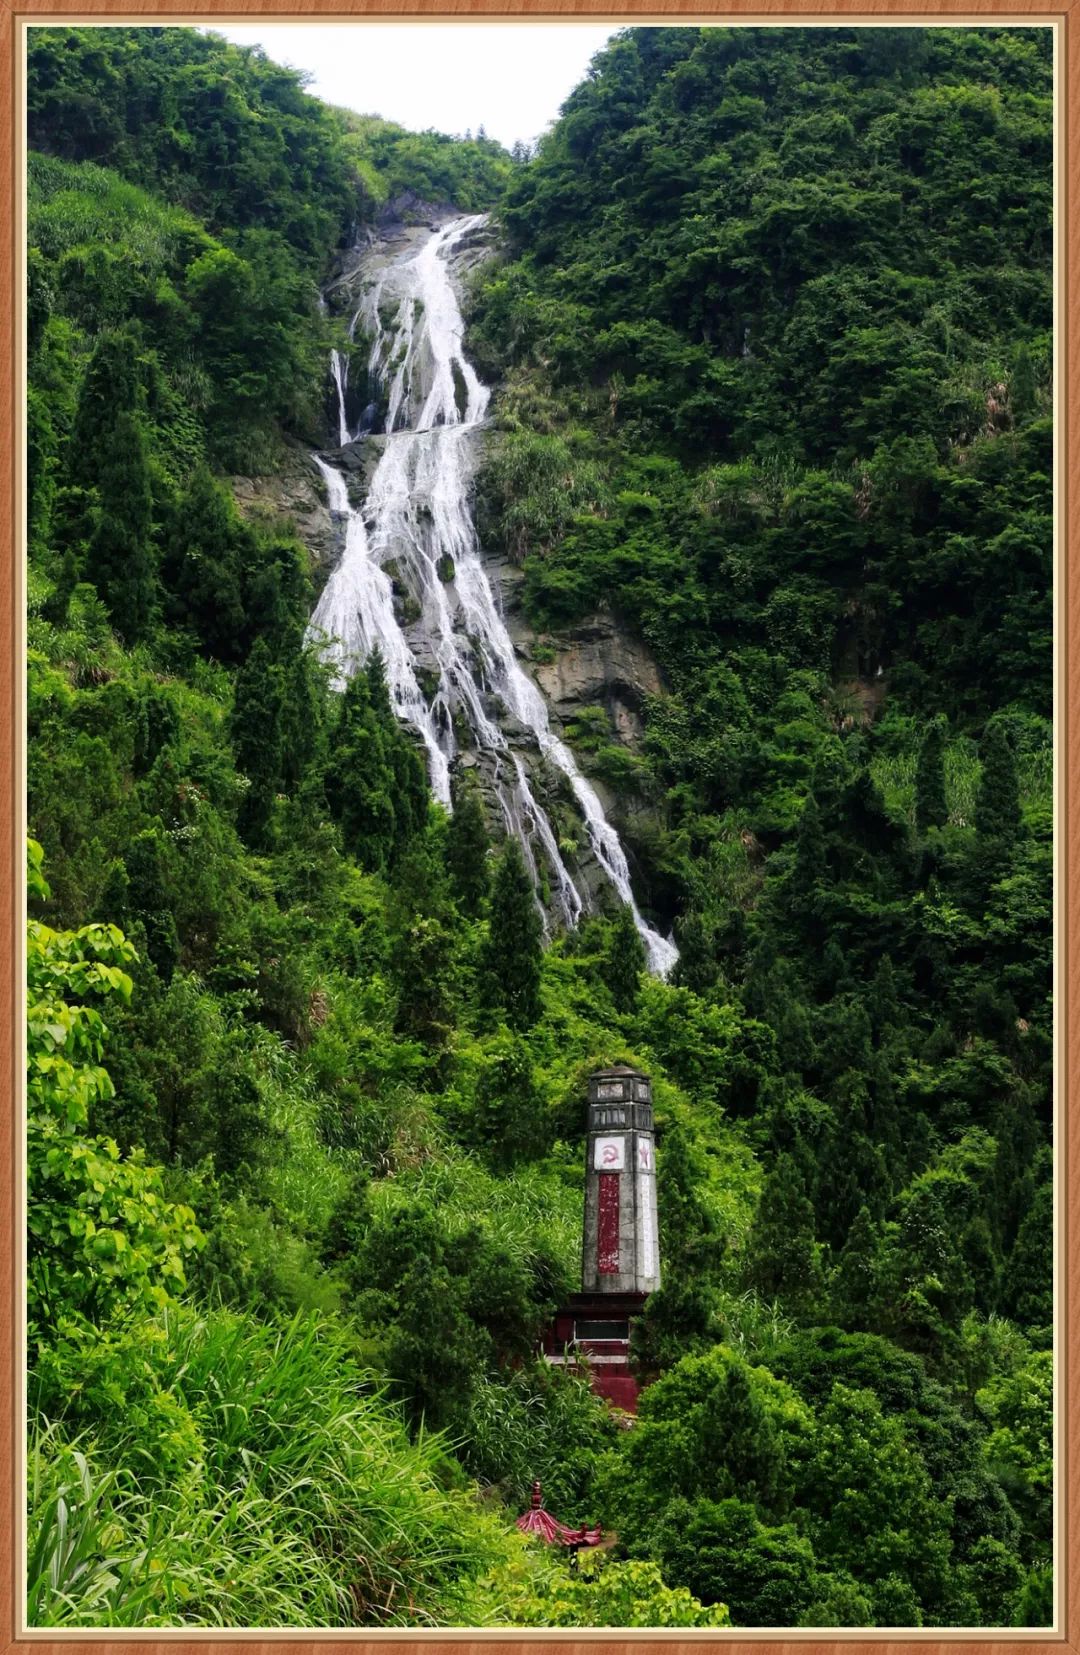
x,y
997,803
407,774
424,965
375,780
41,464
808,869
111,382
109,456
510,1119
745,1442
513,952
692,1242
55,609
931,810
1027,1284
303,717
624,960
359,781
679,1319
697,965
112,909
782,1253
256,734
121,556
855,1279
148,902
467,848
349,1220
203,567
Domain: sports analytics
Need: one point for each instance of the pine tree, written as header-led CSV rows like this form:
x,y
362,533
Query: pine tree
x,y
782,1253
741,1438
256,735
997,803
42,447
55,609
349,1220
110,458
697,966
121,556
808,870
467,846
624,961
854,1282
425,967
112,908
931,811
203,568
112,382
148,902
303,717
680,1319
359,781
408,785
691,1239
510,1118
1027,1289
513,952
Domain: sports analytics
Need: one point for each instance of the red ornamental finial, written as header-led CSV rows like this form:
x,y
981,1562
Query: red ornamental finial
x,y
537,1496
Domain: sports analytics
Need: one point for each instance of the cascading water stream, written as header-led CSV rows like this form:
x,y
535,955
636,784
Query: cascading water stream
x,y
417,518
340,371
356,615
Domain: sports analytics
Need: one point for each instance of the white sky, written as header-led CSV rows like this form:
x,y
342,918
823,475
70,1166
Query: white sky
x,y
509,77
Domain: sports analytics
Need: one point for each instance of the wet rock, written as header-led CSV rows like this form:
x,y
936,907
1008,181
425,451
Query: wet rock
x,y
412,210
296,495
599,662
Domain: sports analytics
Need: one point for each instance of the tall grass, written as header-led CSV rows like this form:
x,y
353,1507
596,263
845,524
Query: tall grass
x,y
533,1210
80,205
305,1179
894,774
257,1476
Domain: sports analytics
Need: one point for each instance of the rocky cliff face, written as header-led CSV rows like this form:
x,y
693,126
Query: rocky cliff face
x,y
295,494
597,663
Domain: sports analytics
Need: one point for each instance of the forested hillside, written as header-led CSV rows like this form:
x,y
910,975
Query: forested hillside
x,y
769,328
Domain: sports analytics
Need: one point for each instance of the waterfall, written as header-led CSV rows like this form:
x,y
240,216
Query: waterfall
x,y
356,615
417,518
340,371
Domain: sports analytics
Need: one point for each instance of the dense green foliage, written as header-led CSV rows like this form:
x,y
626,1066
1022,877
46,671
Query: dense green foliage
x,y
770,327
772,331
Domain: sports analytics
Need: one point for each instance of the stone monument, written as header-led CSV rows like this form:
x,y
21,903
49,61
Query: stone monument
x,y
620,1261
621,1251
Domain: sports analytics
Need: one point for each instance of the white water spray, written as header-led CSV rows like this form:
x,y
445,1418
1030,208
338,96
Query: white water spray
x,y
417,518
340,370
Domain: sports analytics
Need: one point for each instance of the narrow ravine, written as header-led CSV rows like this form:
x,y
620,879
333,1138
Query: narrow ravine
x,y
456,671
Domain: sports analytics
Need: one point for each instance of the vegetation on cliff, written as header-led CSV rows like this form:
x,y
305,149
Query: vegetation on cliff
x,y
771,334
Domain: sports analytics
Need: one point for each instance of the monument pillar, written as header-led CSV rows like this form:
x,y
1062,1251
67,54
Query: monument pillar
x,y
620,1263
620,1252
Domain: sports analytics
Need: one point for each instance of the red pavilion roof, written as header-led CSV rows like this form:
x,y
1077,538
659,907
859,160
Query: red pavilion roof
x,y
541,1523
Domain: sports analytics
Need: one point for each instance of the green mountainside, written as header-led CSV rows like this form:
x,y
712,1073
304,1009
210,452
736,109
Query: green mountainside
x,y
769,325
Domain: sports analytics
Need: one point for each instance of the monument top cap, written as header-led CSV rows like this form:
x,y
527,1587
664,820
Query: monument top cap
x,y
620,1086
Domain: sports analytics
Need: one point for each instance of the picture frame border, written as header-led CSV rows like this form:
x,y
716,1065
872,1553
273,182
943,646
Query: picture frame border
x,y
1065,22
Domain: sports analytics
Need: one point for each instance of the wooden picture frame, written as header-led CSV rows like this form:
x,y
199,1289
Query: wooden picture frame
x,y
1064,17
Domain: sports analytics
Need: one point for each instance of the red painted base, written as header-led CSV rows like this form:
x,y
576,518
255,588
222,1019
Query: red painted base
x,y
621,1389
596,1328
